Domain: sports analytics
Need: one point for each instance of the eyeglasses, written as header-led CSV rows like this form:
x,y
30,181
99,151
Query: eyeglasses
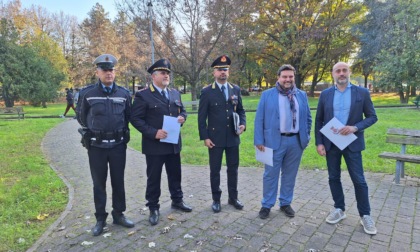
x,y
222,69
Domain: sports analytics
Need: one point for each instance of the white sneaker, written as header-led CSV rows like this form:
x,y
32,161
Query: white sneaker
x,y
368,224
335,216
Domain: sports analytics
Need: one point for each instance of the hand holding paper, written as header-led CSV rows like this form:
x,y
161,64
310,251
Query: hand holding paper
x,y
331,131
173,128
265,156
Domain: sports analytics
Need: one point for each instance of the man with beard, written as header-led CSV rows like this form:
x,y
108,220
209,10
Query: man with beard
x,y
283,123
149,108
348,103
218,103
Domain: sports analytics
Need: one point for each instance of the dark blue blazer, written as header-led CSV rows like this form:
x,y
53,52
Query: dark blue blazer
x,y
361,105
215,121
147,112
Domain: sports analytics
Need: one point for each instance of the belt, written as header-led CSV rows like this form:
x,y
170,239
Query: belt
x,y
106,141
289,134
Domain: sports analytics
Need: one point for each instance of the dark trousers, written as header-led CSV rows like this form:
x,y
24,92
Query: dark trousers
x,y
155,164
232,163
99,160
68,108
355,168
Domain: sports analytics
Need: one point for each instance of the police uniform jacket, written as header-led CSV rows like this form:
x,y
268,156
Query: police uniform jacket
x,y
147,113
215,121
105,115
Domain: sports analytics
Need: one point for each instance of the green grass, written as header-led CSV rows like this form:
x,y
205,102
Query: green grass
x,y
28,185
54,109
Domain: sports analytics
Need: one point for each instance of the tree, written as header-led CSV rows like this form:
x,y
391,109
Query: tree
x,y
397,61
186,32
306,34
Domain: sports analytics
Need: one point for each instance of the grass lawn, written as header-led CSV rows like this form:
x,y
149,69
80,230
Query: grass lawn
x,y
29,188
32,196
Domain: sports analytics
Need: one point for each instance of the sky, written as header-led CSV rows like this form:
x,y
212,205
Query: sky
x,y
78,8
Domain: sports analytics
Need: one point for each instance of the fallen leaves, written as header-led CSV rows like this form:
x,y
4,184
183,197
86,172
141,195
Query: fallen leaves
x,y
42,217
86,243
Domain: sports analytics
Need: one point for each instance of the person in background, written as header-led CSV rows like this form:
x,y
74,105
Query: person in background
x,y
218,102
353,107
70,102
150,106
103,111
283,123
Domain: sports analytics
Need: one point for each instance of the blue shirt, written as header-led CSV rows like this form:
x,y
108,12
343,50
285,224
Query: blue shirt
x,y
342,101
160,91
103,86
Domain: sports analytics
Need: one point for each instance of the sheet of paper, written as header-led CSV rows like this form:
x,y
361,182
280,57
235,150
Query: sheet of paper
x,y
330,130
265,156
172,127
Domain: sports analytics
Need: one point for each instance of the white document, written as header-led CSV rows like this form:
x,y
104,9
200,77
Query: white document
x,y
330,130
265,156
172,127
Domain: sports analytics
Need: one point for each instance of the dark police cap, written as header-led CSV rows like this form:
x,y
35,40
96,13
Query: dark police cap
x,y
160,65
221,62
105,61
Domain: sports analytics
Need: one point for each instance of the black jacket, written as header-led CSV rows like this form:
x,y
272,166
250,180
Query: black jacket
x,y
147,113
104,113
215,121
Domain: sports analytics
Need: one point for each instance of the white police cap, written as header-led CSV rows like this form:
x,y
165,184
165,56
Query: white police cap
x,y
105,61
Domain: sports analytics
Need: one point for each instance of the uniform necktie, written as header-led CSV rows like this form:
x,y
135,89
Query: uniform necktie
x,y
164,95
108,90
223,91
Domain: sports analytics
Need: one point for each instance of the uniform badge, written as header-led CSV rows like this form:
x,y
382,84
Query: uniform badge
x,y
223,59
178,103
234,99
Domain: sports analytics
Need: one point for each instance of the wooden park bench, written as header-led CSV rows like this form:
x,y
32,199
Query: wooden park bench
x,y
12,113
417,101
191,105
404,137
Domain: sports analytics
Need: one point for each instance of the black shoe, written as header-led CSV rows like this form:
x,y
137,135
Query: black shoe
x,y
154,217
236,203
216,206
181,206
288,211
99,228
121,220
264,212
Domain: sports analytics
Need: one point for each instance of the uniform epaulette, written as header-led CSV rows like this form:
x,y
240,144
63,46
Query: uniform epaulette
x,y
141,90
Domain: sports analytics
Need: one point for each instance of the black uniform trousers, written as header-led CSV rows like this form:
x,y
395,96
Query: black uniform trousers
x,y
232,163
154,172
99,159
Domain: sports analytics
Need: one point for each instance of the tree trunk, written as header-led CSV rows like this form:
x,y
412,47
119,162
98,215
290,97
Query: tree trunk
x,y
8,101
366,79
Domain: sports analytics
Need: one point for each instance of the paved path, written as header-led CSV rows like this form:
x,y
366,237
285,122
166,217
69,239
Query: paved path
x,y
394,207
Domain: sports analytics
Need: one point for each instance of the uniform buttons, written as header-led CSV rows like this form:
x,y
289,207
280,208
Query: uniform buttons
x,y
170,114
228,125
228,117
227,110
212,128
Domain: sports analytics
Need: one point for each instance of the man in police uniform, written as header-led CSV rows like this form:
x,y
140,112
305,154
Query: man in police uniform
x,y
103,111
150,106
218,101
